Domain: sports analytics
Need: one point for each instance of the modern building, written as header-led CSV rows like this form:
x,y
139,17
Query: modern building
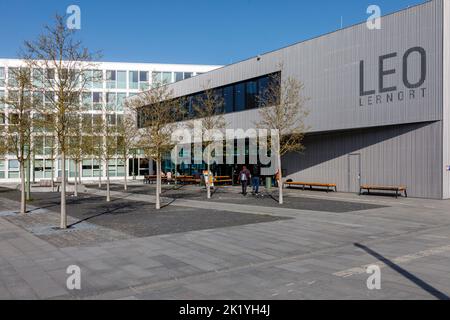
x,y
379,101
105,98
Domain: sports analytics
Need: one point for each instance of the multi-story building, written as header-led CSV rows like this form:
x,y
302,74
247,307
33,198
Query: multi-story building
x,y
379,101
103,98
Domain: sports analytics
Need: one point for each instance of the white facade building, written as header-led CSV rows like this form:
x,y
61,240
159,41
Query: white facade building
x,y
120,80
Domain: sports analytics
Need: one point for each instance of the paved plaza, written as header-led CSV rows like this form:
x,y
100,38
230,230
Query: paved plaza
x,y
316,246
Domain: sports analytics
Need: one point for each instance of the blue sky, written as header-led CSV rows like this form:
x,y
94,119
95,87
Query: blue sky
x,y
186,31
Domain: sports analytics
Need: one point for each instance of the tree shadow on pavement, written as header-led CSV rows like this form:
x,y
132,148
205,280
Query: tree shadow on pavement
x,y
419,282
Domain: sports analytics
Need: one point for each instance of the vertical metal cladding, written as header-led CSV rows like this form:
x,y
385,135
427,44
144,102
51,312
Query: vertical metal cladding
x,y
379,93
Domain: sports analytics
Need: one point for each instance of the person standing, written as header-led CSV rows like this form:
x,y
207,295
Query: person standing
x,y
255,179
244,178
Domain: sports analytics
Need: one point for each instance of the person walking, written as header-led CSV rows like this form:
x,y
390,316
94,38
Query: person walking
x,y
255,179
244,178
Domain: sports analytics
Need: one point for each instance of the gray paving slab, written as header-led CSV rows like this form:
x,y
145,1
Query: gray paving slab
x,y
269,259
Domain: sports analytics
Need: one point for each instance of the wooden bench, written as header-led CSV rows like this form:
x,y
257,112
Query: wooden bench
x,y
190,181
152,179
223,179
398,189
45,183
328,186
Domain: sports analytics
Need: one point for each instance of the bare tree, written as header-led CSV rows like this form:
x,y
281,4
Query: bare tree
x,y
157,113
96,148
126,140
108,131
76,148
20,122
65,65
209,108
283,110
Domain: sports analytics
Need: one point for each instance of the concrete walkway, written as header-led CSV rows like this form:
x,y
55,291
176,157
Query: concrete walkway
x,y
313,255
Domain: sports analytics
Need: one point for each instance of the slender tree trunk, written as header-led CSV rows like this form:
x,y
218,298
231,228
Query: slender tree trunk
x,y
108,192
79,171
29,177
208,185
158,182
125,185
23,201
76,179
53,175
63,191
160,178
100,173
280,181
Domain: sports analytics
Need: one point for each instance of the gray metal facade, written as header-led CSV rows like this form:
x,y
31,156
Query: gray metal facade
x,y
397,135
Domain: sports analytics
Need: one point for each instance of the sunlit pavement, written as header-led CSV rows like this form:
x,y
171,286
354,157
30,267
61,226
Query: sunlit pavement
x,y
317,246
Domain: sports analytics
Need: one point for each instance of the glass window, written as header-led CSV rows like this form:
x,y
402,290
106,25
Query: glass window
x,y
187,75
143,80
2,96
239,97
119,118
86,168
143,76
48,145
98,100
50,74
179,76
133,80
111,118
218,94
251,95
97,168
166,77
11,77
2,118
263,84
2,169
39,145
111,101
13,166
121,79
112,168
110,79
98,79
48,168
156,77
39,169
121,101
228,98
87,79
87,100
143,167
120,168
2,76
38,77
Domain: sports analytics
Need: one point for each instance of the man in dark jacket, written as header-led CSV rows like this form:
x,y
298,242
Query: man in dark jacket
x,y
255,179
244,178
